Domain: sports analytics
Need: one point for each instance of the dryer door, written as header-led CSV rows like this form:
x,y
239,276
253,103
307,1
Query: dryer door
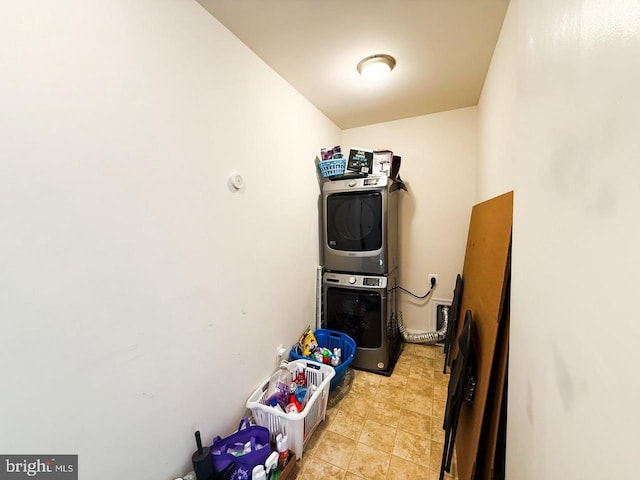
x,y
354,221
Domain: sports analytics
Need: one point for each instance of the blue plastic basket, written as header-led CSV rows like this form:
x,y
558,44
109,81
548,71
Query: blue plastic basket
x,y
331,339
333,167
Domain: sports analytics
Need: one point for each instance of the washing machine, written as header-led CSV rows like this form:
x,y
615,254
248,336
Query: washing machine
x,y
364,307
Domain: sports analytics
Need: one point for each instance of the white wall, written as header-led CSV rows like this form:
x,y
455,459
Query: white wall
x,y
438,165
560,112
140,299
495,117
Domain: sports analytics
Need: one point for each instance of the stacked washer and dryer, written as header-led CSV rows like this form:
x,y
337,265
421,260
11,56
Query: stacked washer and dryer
x,y
360,223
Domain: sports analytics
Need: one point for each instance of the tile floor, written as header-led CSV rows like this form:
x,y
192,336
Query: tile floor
x,y
386,428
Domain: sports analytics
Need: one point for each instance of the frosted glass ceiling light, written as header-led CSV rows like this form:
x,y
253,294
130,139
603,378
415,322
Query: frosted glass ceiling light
x,y
376,67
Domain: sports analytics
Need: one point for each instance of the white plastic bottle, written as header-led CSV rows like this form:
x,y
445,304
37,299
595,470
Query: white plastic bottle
x,y
282,445
258,473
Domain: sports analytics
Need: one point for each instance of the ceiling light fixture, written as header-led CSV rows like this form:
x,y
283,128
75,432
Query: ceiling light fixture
x,y
376,67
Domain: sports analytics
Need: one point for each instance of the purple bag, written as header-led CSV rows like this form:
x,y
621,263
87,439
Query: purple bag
x,y
246,448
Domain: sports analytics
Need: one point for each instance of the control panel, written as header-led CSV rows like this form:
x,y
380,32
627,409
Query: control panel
x,y
351,280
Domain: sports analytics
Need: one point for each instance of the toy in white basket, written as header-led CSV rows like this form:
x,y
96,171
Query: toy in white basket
x,y
278,390
294,405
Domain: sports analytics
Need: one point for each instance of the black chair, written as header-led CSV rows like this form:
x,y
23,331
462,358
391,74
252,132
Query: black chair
x,y
452,327
462,385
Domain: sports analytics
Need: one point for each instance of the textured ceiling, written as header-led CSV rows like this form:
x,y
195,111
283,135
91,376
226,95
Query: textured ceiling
x,y
443,49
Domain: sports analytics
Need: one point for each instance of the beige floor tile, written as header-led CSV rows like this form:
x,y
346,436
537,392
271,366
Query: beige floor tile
x,y
316,469
436,455
335,449
386,427
313,442
323,426
408,347
417,403
440,390
423,387
454,464
402,370
363,377
369,463
378,436
405,360
416,423
438,363
437,432
390,396
350,476
302,463
347,425
439,406
401,469
385,413
413,448
421,350
422,369
355,404
427,372
393,381
441,378
366,390
329,414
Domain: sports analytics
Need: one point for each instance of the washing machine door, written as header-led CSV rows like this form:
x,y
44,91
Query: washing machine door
x,y
358,313
354,221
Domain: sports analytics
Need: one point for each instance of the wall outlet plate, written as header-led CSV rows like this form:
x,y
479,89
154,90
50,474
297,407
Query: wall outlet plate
x,y
281,354
433,275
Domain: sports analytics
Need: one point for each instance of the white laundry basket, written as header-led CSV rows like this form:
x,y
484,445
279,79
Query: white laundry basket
x,y
297,426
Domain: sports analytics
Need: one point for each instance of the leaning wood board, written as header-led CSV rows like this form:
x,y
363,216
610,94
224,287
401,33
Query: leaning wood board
x,y
485,274
489,452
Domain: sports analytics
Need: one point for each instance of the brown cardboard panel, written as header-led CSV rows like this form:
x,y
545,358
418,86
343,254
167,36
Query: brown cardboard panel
x,y
488,448
485,275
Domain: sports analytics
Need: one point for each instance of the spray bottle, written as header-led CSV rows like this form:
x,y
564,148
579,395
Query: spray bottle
x,y
283,450
271,466
258,473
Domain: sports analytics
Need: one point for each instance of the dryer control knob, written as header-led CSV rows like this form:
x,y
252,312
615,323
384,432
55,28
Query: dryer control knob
x,y
352,183
352,280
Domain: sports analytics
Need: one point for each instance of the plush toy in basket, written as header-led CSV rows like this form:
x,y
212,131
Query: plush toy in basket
x,y
309,348
326,346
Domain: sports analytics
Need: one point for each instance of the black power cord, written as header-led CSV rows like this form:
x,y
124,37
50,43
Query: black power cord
x,y
433,284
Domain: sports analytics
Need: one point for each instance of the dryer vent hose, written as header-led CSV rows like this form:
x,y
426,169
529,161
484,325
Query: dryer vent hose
x,y
426,337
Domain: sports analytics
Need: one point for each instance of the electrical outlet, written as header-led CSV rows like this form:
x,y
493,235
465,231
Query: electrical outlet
x,y
435,277
280,353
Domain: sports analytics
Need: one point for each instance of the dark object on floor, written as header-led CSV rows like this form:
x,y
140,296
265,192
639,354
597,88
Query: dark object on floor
x,y
202,461
462,385
341,389
452,328
226,474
